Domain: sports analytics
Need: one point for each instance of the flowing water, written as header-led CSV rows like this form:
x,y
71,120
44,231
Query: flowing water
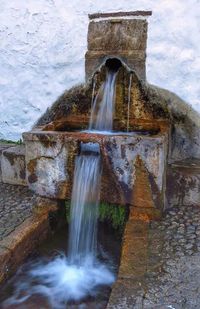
x,y
84,205
78,275
103,107
129,100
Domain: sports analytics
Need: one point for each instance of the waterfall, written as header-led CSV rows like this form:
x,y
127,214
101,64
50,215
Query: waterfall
x,y
129,100
80,274
103,108
84,205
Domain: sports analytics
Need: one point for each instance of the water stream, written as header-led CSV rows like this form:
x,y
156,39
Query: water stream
x,y
103,107
84,205
129,100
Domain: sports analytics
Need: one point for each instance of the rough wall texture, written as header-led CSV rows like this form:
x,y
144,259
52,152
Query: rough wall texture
x,y
43,43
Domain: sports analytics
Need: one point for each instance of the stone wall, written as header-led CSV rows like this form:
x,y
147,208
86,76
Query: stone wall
x,y
43,43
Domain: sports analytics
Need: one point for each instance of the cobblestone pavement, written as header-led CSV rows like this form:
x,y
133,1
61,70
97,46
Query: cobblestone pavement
x,y
175,281
15,206
177,285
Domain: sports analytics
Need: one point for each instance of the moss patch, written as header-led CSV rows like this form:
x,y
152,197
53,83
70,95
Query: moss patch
x,y
115,215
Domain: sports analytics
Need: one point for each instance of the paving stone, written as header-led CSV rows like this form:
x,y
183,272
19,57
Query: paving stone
x,y
15,206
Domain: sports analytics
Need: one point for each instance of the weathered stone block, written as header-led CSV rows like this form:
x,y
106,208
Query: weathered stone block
x,y
120,38
50,158
49,166
2,148
13,165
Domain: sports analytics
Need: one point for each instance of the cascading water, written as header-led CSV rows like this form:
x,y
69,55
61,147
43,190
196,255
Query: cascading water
x,y
129,100
77,276
84,205
103,107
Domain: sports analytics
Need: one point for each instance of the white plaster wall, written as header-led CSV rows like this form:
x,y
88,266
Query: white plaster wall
x,y
43,42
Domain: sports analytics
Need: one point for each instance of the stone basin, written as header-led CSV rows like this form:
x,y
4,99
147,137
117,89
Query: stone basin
x,y
50,159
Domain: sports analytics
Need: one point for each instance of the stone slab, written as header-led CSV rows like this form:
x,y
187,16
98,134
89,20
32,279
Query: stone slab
x,y
13,165
120,14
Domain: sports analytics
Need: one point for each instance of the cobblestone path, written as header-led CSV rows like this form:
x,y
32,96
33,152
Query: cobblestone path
x,y
15,206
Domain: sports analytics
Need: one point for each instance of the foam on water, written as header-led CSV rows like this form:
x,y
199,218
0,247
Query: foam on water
x,y
60,281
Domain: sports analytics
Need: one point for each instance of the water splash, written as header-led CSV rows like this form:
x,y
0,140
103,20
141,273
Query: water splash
x,y
129,100
103,108
57,283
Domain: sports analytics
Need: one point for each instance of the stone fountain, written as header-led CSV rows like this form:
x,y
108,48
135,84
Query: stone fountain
x,y
135,155
150,158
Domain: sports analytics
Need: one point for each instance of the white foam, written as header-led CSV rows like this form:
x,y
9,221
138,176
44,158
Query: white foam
x,y
61,282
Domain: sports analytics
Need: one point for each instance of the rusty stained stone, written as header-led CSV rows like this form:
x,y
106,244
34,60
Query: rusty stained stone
x,y
43,205
134,249
111,191
71,122
144,113
118,149
31,168
143,206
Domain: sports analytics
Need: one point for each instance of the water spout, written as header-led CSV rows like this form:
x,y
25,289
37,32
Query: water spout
x,y
102,112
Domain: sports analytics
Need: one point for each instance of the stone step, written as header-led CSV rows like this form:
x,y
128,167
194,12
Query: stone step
x,y
13,165
183,183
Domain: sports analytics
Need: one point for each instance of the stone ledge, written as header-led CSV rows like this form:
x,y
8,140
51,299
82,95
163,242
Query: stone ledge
x,y
120,14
